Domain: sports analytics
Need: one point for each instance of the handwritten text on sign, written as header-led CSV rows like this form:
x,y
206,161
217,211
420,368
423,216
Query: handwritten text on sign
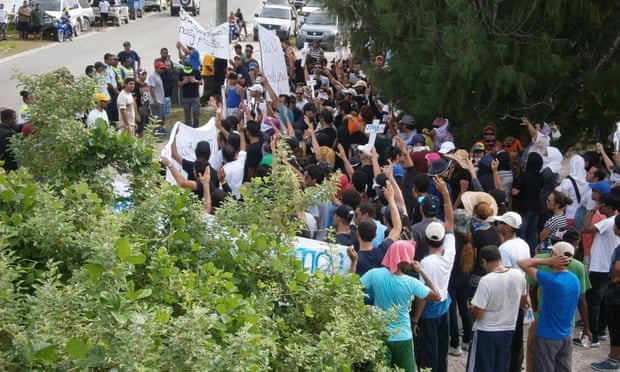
x,y
274,66
213,41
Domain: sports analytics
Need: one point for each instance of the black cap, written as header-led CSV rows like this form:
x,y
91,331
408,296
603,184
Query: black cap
x,y
345,212
565,234
430,205
99,64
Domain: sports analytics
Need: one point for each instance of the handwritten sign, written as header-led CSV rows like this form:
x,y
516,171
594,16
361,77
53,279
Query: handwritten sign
x,y
186,140
273,62
316,255
214,41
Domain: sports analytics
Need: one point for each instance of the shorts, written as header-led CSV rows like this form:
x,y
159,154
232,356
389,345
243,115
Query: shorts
x,y
400,354
165,109
104,18
22,26
36,29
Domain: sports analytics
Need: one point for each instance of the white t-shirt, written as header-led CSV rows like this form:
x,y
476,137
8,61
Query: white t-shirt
x,y
127,102
513,250
104,6
499,295
605,242
95,114
3,15
438,268
234,173
566,186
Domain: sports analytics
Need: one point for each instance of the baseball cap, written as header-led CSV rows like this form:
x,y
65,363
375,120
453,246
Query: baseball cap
x,y
252,65
355,161
566,234
602,187
512,219
345,212
100,64
435,232
160,64
563,249
398,171
446,147
478,146
430,205
418,138
141,71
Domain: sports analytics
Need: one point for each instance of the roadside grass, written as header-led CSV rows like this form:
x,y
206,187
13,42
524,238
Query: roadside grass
x,y
13,45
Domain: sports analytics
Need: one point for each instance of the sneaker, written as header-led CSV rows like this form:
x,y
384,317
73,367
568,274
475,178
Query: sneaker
x,y
579,323
456,351
466,345
603,337
606,365
577,342
595,344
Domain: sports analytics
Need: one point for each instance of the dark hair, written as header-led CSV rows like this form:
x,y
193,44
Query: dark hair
x,y
490,253
367,229
129,80
234,139
393,152
561,198
421,182
345,106
366,113
327,116
253,128
203,150
25,94
369,209
89,69
600,173
315,172
6,114
351,197
359,180
286,98
200,165
617,221
228,153
611,199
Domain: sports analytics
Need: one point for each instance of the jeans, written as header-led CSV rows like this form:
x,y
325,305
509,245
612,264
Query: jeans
x,y
191,110
597,312
516,349
459,289
529,230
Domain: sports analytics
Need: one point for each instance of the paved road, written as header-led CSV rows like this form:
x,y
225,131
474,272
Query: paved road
x,y
147,36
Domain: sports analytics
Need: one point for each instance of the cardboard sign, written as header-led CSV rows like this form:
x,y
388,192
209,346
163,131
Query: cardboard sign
x,y
273,62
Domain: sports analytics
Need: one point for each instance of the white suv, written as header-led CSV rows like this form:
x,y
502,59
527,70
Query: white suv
x,y
191,6
280,19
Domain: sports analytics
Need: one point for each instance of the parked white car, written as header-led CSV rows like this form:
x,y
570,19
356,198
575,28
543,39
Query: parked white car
x,y
281,19
155,5
191,6
82,14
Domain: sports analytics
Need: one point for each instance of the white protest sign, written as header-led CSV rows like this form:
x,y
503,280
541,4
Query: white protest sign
x,y
273,62
186,140
372,129
214,41
316,255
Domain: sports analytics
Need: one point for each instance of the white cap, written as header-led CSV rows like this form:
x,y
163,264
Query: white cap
x,y
256,88
446,147
563,249
512,219
435,231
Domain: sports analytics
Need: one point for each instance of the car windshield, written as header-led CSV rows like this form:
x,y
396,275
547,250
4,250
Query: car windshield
x,y
320,18
50,5
318,3
277,2
278,13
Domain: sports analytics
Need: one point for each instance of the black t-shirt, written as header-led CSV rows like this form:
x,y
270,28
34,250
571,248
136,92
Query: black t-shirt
x,y
349,239
191,90
253,157
168,82
367,260
459,175
5,153
480,238
530,185
188,167
329,133
612,296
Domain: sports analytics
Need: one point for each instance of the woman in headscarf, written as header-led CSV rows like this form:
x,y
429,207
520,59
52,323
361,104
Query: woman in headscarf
x,y
526,191
491,143
574,186
440,132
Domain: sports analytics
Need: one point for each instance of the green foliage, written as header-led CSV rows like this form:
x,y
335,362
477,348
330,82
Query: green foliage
x,y
62,151
493,61
162,286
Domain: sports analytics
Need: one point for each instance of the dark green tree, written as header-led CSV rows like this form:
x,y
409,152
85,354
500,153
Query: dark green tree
x,y
480,62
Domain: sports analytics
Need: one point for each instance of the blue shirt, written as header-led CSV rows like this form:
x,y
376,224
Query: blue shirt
x,y
194,59
560,298
394,291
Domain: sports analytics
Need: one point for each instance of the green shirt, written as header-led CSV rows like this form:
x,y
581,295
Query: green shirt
x,y
37,17
575,266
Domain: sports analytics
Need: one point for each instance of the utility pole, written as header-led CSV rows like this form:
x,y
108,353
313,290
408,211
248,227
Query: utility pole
x,y
220,12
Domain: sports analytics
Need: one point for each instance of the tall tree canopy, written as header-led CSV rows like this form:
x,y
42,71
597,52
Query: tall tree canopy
x,y
480,62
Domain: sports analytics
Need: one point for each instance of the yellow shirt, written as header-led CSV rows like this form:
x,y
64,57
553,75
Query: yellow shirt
x,y
208,63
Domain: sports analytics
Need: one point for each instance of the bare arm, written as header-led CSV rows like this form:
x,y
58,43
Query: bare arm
x,y
179,179
447,204
272,93
401,145
606,160
530,128
397,224
347,166
497,180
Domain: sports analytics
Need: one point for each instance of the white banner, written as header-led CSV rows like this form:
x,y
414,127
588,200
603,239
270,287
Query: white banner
x,y
214,41
274,65
186,140
316,255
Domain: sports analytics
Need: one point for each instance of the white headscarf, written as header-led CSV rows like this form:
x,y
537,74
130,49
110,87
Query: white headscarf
x,y
577,169
553,160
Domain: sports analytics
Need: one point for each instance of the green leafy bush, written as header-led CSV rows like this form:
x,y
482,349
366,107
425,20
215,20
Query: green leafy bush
x,y
161,286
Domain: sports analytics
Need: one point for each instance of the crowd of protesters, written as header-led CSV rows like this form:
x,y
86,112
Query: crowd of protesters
x,y
490,231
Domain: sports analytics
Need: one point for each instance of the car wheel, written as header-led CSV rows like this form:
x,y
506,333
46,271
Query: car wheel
x,y
85,25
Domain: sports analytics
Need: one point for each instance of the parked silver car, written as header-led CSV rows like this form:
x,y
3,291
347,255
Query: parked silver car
x,y
320,26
